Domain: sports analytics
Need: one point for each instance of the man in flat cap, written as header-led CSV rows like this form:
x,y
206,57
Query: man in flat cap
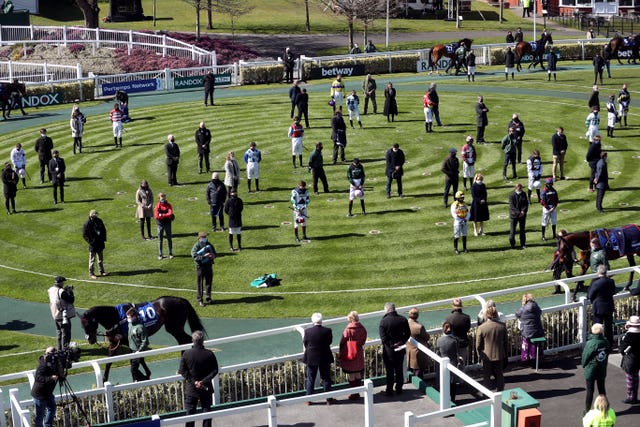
x,y
95,234
203,254
61,301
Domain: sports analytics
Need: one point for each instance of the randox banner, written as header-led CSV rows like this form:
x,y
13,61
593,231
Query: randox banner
x,y
223,79
328,72
148,85
42,100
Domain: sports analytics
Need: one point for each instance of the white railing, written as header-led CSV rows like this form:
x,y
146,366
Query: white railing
x,y
38,72
568,332
99,37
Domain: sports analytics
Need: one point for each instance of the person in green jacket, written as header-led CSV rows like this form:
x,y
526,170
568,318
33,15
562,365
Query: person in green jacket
x,y
598,256
601,415
138,341
594,362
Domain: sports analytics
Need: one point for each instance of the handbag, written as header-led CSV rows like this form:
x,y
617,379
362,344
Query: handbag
x,y
352,350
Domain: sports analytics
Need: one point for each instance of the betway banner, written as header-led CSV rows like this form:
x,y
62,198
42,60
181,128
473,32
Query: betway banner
x,y
42,100
147,85
223,79
328,72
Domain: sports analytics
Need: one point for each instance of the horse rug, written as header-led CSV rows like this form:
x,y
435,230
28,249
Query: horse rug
x,y
534,46
628,42
625,240
146,314
452,47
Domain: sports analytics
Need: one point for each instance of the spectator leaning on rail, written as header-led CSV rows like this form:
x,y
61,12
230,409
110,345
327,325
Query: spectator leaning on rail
x,y
530,321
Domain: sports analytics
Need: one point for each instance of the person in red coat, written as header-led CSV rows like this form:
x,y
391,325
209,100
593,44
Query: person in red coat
x,y
317,355
353,363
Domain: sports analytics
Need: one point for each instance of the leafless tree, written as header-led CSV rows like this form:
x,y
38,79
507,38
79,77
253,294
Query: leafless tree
x,y
234,9
354,10
91,12
197,4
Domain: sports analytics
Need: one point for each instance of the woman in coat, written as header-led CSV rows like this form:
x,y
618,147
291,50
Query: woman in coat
x,y
630,349
144,211
77,126
479,206
595,358
231,172
354,366
390,104
530,316
416,359
10,187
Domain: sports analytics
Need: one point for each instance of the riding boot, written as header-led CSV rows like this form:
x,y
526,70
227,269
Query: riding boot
x,y
513,76
248,186
625,120
350,207
293,159
239,236
351,123
24,183
464,244
426,127
299,158
230,242
455,245
554,77
360,124
544,239
529,195
506,76
295,230
430,126
468,77
115,141
304,232
473,77
120,142
549,78
364,212
257,185
538,194
553,230
608,130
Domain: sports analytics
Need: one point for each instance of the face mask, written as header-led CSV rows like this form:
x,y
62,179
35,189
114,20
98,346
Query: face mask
x,y
518,191
163,201
129,319
204,240
479,181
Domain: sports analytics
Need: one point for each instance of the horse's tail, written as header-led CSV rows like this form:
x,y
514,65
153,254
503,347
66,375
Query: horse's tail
x,y
194,320
431,64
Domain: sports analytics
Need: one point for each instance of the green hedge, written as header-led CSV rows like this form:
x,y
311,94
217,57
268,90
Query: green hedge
x,y
261,74
70,91
567,52
373,64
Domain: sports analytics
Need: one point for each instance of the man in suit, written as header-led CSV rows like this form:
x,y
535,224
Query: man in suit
x,y
601,294
492,343
172,151
203,143
209,83
518,208
317,355
57,169
601,180
43,147
394,332
395,161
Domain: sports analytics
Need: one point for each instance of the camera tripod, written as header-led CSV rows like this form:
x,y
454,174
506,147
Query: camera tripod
x,y
67,397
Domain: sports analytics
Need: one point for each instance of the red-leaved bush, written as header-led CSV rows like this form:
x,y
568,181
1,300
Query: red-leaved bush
x,y
75,48
227,51
147,60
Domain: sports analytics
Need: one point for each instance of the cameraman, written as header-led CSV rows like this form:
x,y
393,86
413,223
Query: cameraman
x,y
43,386
61,301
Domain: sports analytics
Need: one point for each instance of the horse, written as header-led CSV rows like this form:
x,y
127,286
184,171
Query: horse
x,y
620,44
536,49
449,51
10,95
172,312
617,242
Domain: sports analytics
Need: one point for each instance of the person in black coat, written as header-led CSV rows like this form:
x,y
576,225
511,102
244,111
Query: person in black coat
x,y
594,98
44,146
552,65
209,83
518,208
199,367
316,167
601,294
338,136
57,169
395,162
233,207
44,384
289,62
630,349
593,156
203,143
481,119
460,325
601,180
216,194
294,91
10,186
95,234
390,110
172,153
302,102
559,147
598,67
394,332
519,129
451,170
479,206
317,355
530,316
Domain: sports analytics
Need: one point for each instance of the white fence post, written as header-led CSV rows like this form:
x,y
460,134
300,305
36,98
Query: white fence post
x,y
272,411
10,69
368,404
96,367
97,38
216,389
445,384
3,421
214,58
45,71
64,35
583,324
164,45
409,419
108,394
130,43
496,410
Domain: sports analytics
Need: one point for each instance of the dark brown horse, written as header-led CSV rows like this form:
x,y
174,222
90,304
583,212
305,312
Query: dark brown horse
x,y
10,95
536,49
172,312
619,44
448,51
565,256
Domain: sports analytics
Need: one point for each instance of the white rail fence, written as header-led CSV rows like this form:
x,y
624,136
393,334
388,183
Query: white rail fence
x,y
97,38
566,325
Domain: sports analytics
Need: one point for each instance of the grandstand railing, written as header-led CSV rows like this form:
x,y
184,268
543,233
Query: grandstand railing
x,y
100,37
566,325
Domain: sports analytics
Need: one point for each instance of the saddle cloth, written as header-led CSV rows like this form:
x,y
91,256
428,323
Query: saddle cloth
x,y
451,47
148,319
625,240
